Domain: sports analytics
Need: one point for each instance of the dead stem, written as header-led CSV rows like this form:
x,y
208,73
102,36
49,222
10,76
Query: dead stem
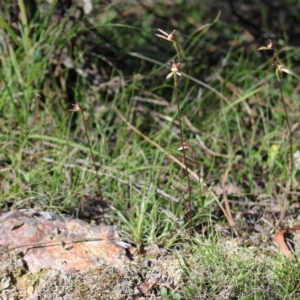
x,y
227,206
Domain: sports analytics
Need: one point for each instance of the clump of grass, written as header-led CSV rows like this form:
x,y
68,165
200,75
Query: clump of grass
x,y
228,270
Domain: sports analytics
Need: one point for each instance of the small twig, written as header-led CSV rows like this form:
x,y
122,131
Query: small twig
x,y
165,285
227,206
53,243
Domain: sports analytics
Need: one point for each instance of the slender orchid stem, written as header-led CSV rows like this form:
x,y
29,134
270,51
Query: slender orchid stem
x,y
290,132
175,71
190,216
279,69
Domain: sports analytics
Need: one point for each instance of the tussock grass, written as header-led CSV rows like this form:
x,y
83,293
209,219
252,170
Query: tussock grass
x,y
230,270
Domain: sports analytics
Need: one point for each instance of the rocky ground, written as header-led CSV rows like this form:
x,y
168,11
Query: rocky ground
x,y
110,272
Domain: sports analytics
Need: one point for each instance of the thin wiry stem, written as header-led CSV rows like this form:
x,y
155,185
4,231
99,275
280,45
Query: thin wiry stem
x,y
290,132
176,79
77,107
190,216
177,51
279,69
188,146
175,71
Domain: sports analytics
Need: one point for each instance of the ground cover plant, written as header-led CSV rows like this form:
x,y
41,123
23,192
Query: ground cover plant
x,y
209,210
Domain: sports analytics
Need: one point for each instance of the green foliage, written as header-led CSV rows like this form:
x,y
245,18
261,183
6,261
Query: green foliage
x,y
233,270
231,114
169,296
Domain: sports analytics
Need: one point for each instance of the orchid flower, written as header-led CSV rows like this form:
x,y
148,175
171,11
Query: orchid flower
x,y
174,69
169,37
270,46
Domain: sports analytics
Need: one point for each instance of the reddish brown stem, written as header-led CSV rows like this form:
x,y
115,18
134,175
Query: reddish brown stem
x,y
290,132
190,215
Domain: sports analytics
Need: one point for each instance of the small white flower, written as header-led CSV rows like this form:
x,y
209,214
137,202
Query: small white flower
x,y
282,69
174,69
77,107
186,145
270,46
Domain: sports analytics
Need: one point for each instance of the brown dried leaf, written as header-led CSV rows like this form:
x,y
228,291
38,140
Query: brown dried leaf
x,y
132,250
283,248
147,286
